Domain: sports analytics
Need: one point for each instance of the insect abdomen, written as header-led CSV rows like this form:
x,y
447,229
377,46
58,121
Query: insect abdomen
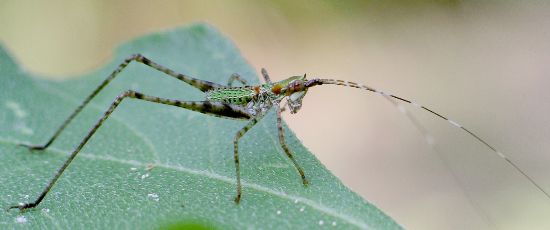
x,y
237,96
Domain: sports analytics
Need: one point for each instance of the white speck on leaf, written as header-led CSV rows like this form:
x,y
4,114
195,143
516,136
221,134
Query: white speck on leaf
x,y
321,222
333,223
16,109
21,219
296,201
19,125
278,212
302,209
46,210
153,196
144,175
133,169
22,128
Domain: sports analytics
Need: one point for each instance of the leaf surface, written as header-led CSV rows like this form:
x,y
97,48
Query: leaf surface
x,y
109,186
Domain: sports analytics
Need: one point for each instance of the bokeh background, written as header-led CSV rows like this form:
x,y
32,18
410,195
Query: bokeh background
x,y
483,63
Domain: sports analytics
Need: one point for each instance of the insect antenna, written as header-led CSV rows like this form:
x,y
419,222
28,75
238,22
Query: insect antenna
x,y
317,81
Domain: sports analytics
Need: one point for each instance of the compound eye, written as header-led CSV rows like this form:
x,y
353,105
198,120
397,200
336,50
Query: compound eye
x,y
297,85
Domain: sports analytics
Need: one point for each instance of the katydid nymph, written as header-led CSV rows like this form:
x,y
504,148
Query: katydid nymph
x,y
249,103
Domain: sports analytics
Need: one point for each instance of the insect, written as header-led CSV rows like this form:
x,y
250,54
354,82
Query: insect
x,y
249,103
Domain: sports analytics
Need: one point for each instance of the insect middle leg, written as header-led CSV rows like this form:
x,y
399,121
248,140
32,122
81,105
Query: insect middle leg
x,y
285,147
197,83
238,136
236,77
204,107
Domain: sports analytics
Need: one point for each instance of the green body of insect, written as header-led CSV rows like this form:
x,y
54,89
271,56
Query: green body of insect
x,y
234,95
258,99
246,103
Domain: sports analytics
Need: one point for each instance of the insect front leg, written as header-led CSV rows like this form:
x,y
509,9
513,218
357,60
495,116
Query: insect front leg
x,y
266,76
285,147
197,83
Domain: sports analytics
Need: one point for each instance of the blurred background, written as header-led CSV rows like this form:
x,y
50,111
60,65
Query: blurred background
x,y
482,63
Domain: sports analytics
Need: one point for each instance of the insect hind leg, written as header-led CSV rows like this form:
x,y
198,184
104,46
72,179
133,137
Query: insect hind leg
x,y
205,107
197,83
201,85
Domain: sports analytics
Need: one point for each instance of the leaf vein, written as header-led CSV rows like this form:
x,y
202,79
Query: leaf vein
x,y
204,173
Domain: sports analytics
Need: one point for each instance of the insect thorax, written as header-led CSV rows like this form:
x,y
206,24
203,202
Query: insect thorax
x,y
255,99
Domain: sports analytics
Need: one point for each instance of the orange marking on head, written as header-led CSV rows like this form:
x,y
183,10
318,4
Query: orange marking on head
x,y
257,90
276,89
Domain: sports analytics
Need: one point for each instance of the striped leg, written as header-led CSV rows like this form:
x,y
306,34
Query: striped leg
x,y
199,84
286,149
238,136
266,76
204,107
283,108
236,77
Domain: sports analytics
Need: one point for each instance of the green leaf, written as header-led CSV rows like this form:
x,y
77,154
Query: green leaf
x,y
192,182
